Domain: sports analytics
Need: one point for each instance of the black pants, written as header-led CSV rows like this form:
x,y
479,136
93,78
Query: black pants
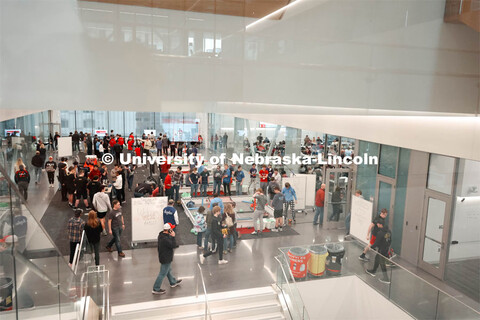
x,y
73,245
23,188
51,177
226,188
95,247
169,193
64,193
219,241
380,260
120,195
165,151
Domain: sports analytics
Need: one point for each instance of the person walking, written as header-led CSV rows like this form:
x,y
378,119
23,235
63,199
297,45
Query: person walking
x,y
239,176
93,229
118,185
37,163
75,229
101,203
217,235
319,205
372,233
22,179
290,201
166,244
116,225
260,202
50,167
264,178
382,244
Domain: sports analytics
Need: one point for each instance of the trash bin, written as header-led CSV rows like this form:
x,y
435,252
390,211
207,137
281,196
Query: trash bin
x,y
316,264
334,260
6,290
298,262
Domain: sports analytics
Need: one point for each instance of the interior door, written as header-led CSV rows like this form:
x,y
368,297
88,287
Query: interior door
x,y
337,197
435,228
385,198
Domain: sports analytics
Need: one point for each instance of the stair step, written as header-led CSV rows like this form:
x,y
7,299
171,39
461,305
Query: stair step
x,y
269,316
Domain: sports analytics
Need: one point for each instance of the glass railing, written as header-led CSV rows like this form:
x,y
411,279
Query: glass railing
x,y
207,314
35,278
288,289
94,294
412,294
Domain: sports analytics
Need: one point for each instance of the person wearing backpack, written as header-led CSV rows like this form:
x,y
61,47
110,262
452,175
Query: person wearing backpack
x,y
383,241
229,222
217,180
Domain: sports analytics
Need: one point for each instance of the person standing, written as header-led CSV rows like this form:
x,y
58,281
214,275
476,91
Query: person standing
x,y
382,243
93,229
118,185
264,178
166,244
101,203
76,141
290,201
239,176
70,185
81,190
177,181
226,178
225,140
260,202
193,178
164,169
37,163
168,185
217,180
372,233
337,197
50,167
217,236
22,179
204,182
170,214
116,225
130,175
253,178
93,187
200,225
319,205
277,204
75,229
165,145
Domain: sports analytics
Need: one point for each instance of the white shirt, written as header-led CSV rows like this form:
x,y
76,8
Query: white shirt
x,y
118,183
101,202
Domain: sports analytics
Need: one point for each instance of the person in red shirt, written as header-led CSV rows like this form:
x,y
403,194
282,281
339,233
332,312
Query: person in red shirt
x,y
164,168
264,178
95,172
319,205
130,145
120,141
168,185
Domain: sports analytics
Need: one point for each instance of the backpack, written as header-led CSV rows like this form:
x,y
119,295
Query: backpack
x,y
217,175
190,204
388,239
228,221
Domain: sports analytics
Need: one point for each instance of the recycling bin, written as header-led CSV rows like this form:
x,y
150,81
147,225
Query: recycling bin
x,y
316,263
333,262
6,292
298,262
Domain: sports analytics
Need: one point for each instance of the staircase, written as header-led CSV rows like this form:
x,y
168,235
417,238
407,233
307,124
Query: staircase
x,y
258,303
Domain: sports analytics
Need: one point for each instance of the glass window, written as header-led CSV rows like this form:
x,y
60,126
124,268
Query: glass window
x,y
84,121
115,122
387,165
366,174
68,122
99,120
440,173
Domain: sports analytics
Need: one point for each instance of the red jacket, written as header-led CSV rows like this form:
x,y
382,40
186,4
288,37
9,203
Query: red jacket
x,y
165,167
168,182
263,172
320,198
112,142
121,141
94,173
130,144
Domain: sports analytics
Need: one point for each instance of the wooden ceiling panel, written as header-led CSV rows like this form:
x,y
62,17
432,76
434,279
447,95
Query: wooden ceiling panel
x,y
239,8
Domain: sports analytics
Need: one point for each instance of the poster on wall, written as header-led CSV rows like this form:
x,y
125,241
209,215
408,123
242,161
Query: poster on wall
x,y
151,132
147,218
13,132
65,147
361,217
101,133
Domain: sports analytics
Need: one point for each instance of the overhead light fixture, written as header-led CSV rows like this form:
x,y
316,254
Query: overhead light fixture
x,y
291,4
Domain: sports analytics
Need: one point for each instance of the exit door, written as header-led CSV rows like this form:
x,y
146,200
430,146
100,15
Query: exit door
x,y
338,188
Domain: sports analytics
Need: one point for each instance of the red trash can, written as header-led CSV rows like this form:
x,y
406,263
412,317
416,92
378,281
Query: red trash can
x,y
298,262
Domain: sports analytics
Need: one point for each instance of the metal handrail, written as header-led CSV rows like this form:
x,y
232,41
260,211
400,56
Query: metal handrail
x,y
207,308
288,285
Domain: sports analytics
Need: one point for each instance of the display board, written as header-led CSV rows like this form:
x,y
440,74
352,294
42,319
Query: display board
x,y
466,221
310,188
147,218
298,183
65,147
361,217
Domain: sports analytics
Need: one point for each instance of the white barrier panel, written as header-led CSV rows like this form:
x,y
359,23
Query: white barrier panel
x,y
147,218
466,222
65,147
361,217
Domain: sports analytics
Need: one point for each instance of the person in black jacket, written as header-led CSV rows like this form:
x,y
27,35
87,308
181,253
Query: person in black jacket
x,y
50,167
22,179
166,244
37,163
93,228
217,236
382,243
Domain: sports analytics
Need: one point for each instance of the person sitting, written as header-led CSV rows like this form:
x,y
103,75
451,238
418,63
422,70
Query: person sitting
x,y
143,189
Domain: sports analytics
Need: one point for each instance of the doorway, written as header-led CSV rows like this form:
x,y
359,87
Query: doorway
x,y
385,198
338,189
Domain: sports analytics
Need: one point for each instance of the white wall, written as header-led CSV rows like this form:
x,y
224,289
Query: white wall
x,y
367,54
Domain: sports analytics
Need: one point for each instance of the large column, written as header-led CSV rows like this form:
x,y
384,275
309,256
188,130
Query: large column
x,y
238,134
